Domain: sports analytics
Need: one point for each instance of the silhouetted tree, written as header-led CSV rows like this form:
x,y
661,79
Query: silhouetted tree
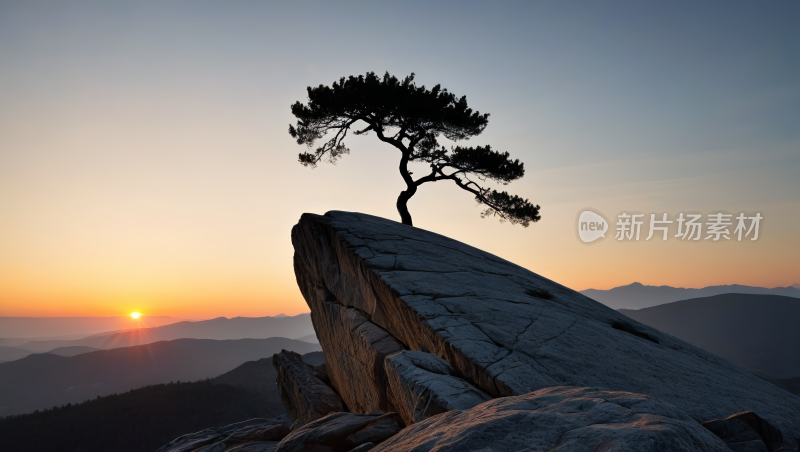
x,y
411,118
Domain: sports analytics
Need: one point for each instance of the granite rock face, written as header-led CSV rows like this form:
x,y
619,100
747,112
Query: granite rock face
x,y
745,432
355,349
305,396
340,432
423,385
254,435
563,419
376,287
321,371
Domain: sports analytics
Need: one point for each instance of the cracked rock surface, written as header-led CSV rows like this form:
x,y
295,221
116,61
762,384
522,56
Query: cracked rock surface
x,y
562,419
254,435
355,349
423,385
305,396
748,432
339,432
376,287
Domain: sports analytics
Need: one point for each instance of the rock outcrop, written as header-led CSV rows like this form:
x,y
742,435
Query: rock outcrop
x,y
477,354
356,352
423,385
305,395
377,287
341,432
563,419
747,432
254,435
321,371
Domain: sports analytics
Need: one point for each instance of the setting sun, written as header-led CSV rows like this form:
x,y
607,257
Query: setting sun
x,y
135,315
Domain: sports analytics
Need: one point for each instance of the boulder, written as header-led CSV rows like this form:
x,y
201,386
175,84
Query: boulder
x,y
321,371
374,432
749,432
268,435
355,349
340,432
560,419
503,329
737,435
423,385
259,433
306,397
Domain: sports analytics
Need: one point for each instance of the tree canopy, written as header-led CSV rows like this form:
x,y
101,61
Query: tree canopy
x,y
411,118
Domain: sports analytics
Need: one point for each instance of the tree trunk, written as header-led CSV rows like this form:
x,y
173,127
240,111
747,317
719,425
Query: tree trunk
x,y
402,205
411,188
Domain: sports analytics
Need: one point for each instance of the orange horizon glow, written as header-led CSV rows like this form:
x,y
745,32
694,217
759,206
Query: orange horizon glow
x,y
770,262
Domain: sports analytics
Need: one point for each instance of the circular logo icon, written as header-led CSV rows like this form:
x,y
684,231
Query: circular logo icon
x,y
591,226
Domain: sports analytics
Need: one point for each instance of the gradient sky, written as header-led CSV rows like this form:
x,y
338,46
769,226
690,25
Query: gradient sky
x,y
145,163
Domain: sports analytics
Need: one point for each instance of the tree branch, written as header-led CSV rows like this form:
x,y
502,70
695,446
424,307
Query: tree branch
x,y
411,118
396,143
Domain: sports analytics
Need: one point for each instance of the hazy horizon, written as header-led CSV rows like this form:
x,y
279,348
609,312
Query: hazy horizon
x,y
144,317
145,163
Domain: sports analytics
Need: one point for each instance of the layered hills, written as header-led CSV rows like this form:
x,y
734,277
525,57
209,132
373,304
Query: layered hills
x,y
758,332
639,296
143,419
220,328
42,381
28,327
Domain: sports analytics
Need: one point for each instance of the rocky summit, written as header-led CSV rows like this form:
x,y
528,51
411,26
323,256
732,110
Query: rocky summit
x,y
377,288
433,345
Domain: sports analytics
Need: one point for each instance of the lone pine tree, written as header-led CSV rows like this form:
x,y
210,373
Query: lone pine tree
x,y
411,118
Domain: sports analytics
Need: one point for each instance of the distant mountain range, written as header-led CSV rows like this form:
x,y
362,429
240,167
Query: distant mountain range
x,y
39,327
73,350
220,328
312,338
758,332
13,342
13,354
639,296
45,380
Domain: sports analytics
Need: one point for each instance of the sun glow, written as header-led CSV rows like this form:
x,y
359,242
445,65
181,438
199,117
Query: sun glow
x,y
135,315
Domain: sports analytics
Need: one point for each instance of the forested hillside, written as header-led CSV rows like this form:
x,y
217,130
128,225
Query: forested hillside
x,y
139,420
